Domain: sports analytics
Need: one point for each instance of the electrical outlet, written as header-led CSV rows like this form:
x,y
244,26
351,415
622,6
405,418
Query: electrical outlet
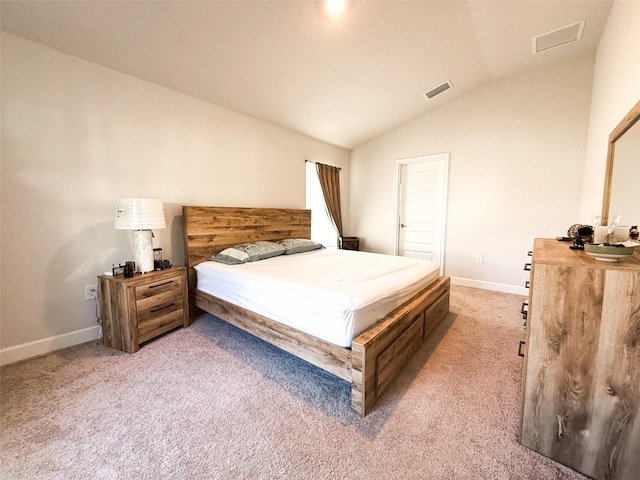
x,y
90,292
479,258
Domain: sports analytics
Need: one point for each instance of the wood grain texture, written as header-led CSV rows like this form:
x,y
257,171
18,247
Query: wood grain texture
x,y
334,359
373,367
209,230
582,373
375,357
135,310
625,124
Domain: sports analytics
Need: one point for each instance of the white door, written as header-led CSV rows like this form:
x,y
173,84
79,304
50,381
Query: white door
x,y
422,202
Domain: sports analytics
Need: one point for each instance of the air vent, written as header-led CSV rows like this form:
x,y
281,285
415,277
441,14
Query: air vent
x,y
439,89
556,38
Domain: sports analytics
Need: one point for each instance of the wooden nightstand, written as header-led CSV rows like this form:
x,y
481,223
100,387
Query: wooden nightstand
x,y
349,243
137,309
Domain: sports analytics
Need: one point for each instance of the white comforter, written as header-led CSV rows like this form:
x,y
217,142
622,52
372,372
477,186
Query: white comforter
x,y
331,294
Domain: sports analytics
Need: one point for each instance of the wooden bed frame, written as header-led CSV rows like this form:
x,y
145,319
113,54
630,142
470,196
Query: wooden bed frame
x,y
375,356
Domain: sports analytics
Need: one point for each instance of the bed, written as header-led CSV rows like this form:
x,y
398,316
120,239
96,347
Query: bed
x,y
374,356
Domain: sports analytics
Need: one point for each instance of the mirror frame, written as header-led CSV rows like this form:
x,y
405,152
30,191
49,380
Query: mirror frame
x,y
627,122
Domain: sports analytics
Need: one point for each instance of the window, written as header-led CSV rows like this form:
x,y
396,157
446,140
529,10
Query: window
x,y
321,227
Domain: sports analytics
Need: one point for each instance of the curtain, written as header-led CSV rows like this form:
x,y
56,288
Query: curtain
x,y
330,183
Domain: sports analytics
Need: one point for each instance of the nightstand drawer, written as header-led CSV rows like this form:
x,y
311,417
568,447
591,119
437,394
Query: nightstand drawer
x,y
158,292
159,307
159,318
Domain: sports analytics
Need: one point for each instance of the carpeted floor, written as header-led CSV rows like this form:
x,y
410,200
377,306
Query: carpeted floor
x,y
213,402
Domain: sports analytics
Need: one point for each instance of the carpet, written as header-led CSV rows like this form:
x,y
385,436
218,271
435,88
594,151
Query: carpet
x,y
213,402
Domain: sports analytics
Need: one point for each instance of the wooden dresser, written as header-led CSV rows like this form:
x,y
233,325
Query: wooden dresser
x,y
137,309
581,401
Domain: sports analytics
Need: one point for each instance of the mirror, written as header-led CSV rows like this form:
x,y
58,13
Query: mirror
x,y
622,175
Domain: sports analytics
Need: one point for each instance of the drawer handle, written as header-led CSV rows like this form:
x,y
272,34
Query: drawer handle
x,y
154,310
527,284
559,426
520,353
525,308
161,284
530,253
527,267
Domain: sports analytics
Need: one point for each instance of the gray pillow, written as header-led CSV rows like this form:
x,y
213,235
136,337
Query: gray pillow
x,y
248,252
299,245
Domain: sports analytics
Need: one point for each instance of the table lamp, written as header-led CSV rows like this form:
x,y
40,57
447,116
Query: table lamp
x,y
140,215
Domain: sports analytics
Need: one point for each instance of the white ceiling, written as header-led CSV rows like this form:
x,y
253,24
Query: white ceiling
x,y
342,81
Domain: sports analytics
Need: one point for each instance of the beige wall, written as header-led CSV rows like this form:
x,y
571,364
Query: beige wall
x,y
517,151
616,88
75,136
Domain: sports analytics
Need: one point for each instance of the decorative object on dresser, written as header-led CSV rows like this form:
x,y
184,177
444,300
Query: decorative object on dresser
x,y
374,356
609,253
581,399
612,234
140,215
580,234
135,310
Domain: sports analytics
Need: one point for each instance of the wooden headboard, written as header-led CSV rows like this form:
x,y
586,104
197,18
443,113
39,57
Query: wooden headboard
x,y
209,230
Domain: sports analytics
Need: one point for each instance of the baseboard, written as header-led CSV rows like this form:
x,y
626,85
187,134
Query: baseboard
x,y
47,345
498,287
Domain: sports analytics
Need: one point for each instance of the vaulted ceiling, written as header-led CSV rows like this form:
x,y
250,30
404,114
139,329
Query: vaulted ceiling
x,y
343,80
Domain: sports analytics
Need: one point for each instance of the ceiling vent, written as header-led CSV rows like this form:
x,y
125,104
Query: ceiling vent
x,y
439,89
561,36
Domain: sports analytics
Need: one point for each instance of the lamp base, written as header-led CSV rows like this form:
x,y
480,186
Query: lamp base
x,y
143,250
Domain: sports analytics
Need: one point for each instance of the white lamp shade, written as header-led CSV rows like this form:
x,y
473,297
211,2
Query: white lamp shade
x,y
139,214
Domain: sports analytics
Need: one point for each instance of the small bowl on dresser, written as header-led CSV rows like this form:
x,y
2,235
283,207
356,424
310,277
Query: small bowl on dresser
x,y
608,253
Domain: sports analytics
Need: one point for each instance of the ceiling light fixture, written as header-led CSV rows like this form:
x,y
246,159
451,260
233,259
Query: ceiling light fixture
x,y
335,7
